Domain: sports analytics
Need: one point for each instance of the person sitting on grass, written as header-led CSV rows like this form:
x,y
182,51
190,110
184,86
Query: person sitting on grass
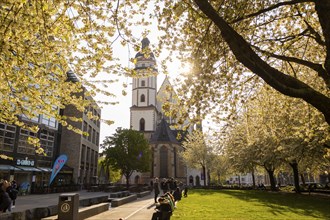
x,y
170,198
163,210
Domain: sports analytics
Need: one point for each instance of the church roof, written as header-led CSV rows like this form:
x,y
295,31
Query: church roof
x,y
163,133
145,43
165,83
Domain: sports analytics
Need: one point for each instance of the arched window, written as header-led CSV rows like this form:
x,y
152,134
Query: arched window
x,y
142,124
191,180
142,98
198,183
137,179
163,162
143,83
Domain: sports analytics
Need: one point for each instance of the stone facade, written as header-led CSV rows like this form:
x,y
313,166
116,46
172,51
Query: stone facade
x,y
147,116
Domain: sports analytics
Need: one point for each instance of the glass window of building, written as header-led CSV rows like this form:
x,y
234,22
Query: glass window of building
x,y
142,98
97,138
89,132
47,139
83,153
98,121
94,136
7,137
142,124
94,114
49,121
85,128
92,157
24,147
33,119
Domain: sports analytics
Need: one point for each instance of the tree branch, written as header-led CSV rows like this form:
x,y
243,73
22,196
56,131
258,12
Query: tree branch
x,y
243,52
322,8
314,66
269,9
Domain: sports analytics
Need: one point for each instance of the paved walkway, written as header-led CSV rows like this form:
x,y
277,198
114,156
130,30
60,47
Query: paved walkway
x,y
141,209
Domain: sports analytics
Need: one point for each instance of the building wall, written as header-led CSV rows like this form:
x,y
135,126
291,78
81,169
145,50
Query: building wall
x,y
82,151
147,87
175,167
149,116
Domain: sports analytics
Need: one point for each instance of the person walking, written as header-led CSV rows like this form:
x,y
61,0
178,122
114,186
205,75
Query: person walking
x,y
12,192
156,188
185,191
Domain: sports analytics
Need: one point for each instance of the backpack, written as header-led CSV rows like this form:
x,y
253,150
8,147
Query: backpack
x,y
13,193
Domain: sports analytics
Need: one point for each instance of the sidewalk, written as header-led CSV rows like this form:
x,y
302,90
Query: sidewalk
x,y
141,209
44,200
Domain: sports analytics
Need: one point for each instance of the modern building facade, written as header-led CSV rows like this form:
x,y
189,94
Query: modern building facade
x,y
32,170
27,167
82,150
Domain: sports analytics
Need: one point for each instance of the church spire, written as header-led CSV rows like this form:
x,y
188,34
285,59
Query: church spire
x,y
145,43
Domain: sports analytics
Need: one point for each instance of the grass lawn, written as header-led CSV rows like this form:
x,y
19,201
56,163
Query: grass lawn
x,y
250,204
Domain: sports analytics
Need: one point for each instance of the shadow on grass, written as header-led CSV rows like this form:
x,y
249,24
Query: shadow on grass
x,y
278,202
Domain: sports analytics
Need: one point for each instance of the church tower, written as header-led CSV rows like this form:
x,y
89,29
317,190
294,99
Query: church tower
x,y
143,112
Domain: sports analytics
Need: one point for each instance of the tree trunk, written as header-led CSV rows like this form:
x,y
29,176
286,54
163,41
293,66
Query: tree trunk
x,y
271,179
204,173
127,180
294,166
253,179
322,8
108,178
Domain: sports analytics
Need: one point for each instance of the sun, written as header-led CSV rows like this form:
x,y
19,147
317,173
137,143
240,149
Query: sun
x,y
185,67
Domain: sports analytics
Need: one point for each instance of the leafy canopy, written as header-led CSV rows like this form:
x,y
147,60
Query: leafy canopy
x,y
127,150
284,43
42,41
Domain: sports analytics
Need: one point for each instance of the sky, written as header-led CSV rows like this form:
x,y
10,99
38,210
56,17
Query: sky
x,y
120,113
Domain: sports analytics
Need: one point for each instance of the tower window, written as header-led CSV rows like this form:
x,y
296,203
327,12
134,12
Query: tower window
x,y
143,83
142,124
142,98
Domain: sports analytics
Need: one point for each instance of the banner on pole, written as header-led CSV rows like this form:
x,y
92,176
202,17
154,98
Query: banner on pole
x,y
59,163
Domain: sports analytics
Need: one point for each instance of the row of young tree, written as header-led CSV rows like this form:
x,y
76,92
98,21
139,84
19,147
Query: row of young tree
x,y
275,132
270,131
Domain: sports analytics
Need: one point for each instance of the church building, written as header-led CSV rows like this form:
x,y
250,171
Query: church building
x,y
147,116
